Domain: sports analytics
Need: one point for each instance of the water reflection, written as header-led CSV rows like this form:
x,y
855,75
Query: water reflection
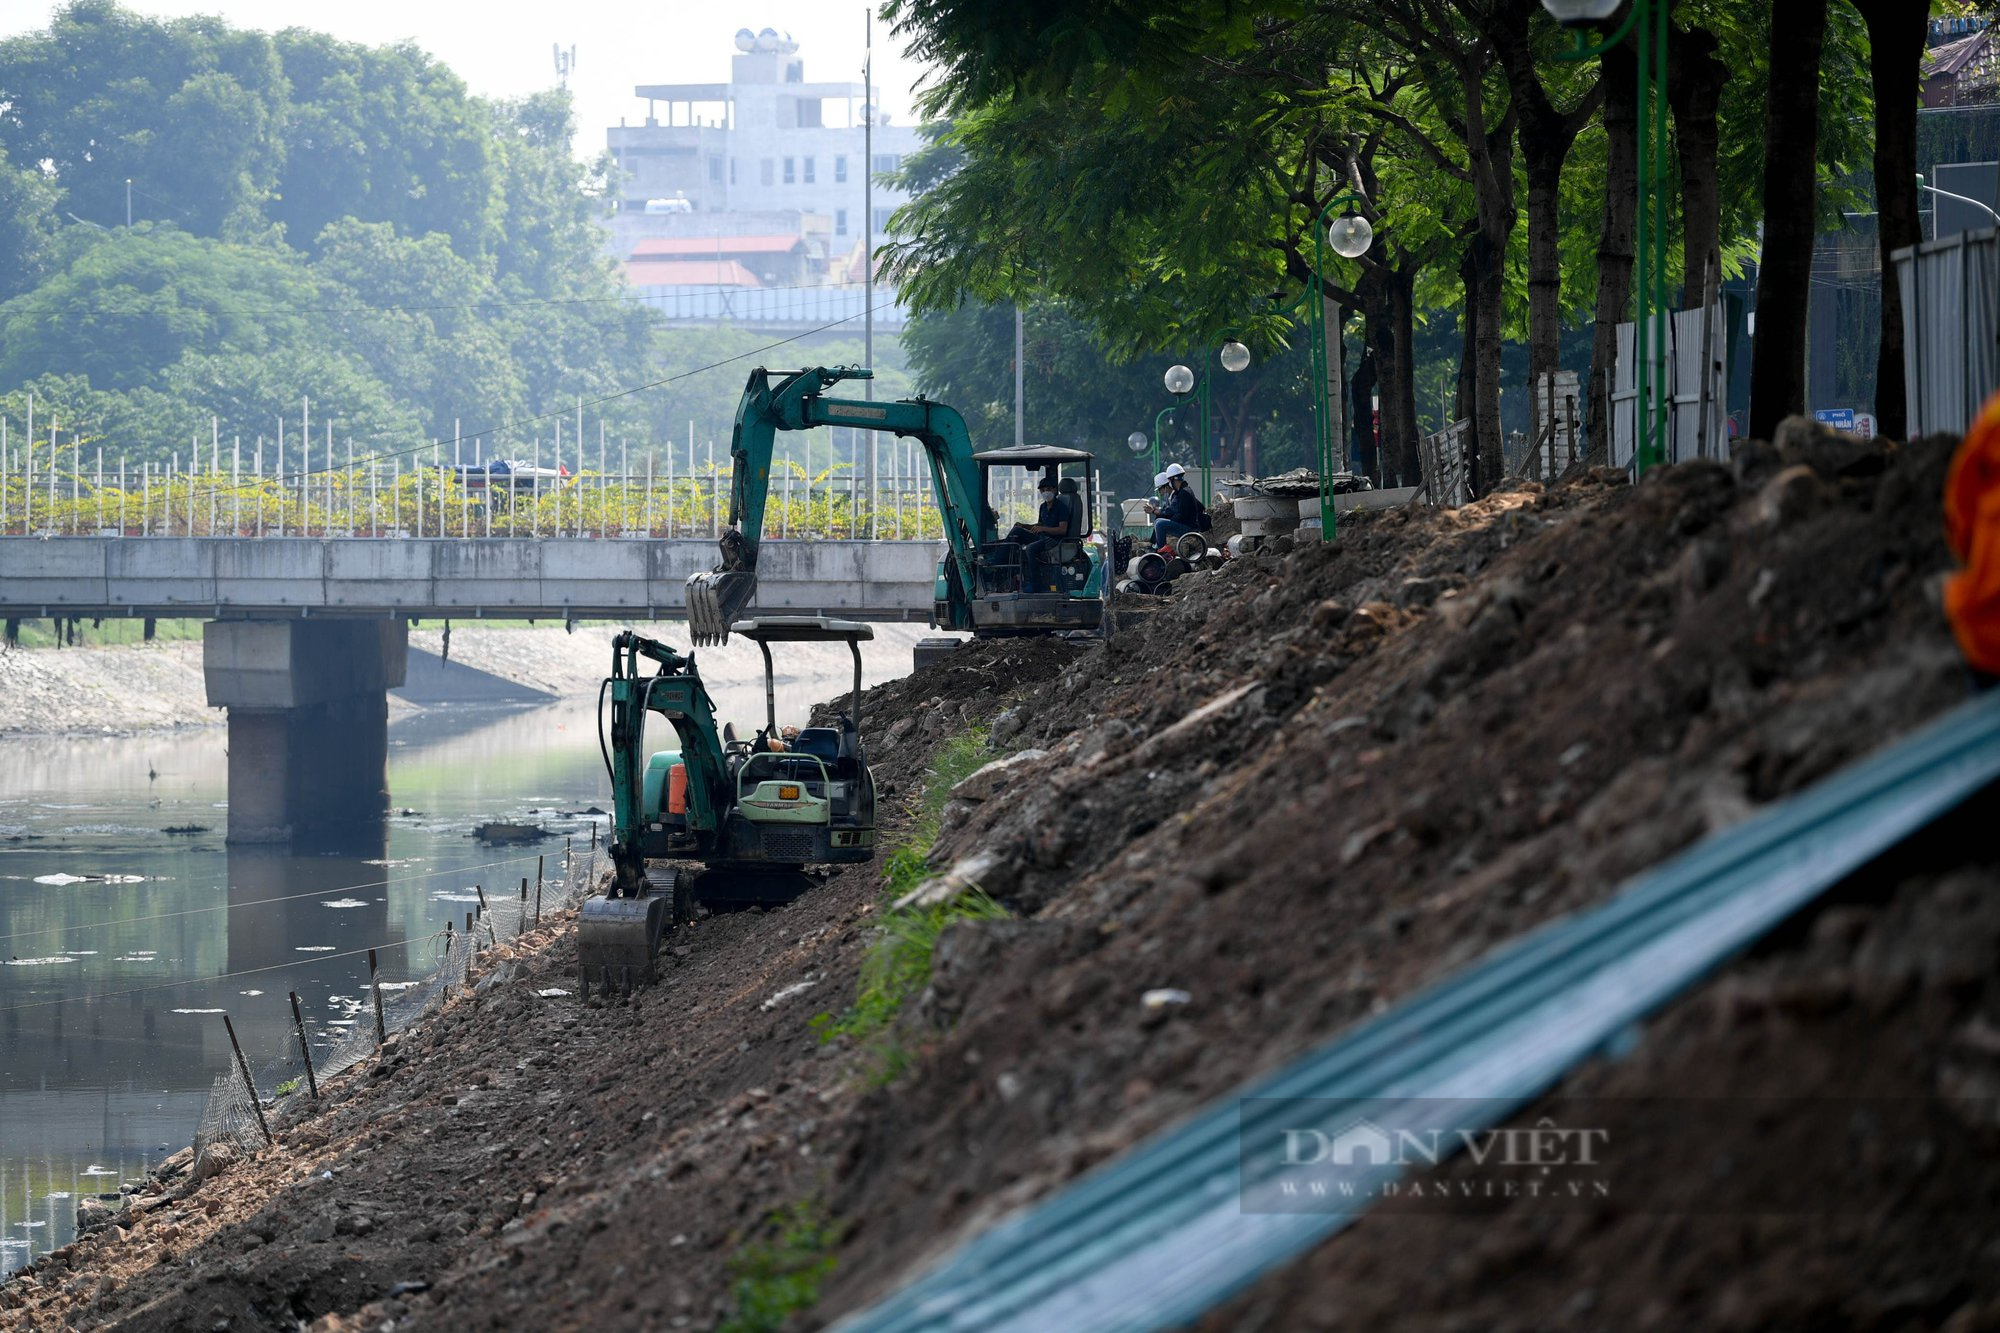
x,y
111,981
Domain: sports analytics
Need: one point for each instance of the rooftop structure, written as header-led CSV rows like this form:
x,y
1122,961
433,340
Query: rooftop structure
x,y
767,142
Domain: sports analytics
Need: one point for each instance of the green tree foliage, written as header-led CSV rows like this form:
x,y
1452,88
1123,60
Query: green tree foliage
x,y
27,225
311,219
1156,167
422,318
124,305
383,134
186,109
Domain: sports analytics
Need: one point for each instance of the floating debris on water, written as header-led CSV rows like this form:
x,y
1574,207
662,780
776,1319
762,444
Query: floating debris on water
x,y
95,1170
455,896
314,948
39,962
185,829
200,1011
249,992
497,831
138,956
59,879
395,985
125,879
343,902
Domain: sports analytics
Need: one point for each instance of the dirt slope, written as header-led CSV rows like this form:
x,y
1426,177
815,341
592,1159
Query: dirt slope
x,y
1304,786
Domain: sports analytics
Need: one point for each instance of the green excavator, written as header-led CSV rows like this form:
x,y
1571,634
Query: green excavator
x,y
985,583
716,820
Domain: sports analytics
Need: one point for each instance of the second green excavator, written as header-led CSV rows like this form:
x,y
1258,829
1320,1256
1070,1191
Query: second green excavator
x,y
986,583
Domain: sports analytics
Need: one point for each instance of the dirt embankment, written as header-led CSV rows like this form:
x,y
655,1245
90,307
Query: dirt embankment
x,y
102,690
1304,786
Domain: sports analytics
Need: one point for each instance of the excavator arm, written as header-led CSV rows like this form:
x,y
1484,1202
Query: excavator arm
x,y
675,691
796,401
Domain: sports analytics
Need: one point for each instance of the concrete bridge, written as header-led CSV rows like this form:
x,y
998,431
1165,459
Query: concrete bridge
x,y
307,635
428,578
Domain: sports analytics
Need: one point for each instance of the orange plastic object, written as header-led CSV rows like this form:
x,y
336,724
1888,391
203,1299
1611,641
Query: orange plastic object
x,y
677,789
1972,527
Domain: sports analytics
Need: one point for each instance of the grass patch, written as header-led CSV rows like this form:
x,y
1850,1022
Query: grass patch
x,y
288,1087
898,965
772,1280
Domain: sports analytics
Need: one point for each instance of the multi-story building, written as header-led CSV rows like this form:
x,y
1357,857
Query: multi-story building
x,y
766,152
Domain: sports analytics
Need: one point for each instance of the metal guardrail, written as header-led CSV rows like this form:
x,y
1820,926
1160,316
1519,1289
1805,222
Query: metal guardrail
x,y
1159,1236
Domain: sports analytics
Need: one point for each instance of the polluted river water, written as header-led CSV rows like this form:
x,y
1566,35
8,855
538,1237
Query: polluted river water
x,y
128,926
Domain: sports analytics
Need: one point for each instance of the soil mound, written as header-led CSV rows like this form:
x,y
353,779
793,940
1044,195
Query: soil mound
x,y
1302,786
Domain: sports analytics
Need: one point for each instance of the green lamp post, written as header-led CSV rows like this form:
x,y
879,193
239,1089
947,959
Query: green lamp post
x,y
1180,382
1647,19
1350,236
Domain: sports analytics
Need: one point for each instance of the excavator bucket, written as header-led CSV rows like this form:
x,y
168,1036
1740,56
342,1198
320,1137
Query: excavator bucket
x,y
618,938
716,601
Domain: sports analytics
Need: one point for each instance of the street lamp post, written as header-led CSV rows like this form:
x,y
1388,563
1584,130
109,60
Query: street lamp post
x,y
1350,238
1648,21
1180,381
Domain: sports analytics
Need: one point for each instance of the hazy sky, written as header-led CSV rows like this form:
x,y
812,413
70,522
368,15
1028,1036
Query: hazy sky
x,y
503,48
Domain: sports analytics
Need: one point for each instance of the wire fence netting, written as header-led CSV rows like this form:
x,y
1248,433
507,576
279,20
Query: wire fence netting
x,y
230,1117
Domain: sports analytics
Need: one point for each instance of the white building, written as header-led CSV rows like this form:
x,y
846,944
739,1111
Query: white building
x,y
767,143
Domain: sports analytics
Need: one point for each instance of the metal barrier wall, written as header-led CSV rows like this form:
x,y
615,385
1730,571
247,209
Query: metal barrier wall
x,y
1697,427
1951,328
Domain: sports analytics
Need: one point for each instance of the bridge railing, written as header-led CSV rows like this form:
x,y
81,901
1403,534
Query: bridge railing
x,y
395,501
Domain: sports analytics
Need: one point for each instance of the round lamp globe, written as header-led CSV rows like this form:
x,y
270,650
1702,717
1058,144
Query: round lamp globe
x,y
1350,236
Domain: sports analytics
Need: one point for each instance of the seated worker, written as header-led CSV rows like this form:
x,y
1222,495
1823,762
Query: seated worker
x,y
1055,523
1181,511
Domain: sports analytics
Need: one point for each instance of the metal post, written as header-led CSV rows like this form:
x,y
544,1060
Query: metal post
x,y
1649,338
375,989
305,1050
867,202
1201,454
540,859
524,908
244,1066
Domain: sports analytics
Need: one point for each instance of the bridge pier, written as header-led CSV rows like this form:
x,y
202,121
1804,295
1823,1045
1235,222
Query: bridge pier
x,y
308,721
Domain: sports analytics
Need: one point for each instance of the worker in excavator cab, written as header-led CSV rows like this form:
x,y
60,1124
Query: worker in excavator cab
x,y
1054,522
1972,527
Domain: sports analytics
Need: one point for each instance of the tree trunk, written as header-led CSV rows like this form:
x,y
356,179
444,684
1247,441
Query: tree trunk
x,y
1399,379
1466,396
1360,390
1614,237
1694,89
1489,264
1546,136
1791,163
1896,32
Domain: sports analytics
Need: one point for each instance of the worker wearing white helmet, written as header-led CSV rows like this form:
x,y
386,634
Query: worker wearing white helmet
x,y
1180,511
